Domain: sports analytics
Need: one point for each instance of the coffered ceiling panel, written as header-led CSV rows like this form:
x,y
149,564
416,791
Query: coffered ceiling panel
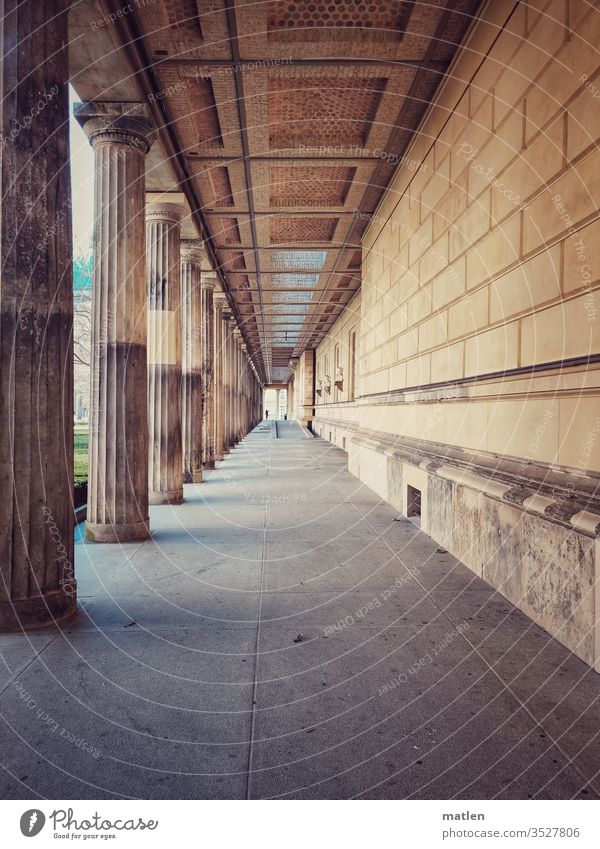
x,y
286,118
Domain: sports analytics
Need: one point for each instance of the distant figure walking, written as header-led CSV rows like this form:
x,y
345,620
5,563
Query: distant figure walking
x,y
266,414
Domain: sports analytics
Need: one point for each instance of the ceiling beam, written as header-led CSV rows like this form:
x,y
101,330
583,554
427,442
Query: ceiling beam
x,y
209,157
340,212
396,129
133,45
241,104
287,61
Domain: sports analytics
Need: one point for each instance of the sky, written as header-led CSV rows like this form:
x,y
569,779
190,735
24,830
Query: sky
x,y
82,184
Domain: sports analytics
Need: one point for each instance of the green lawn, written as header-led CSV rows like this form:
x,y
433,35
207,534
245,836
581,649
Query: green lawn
x,y
81,458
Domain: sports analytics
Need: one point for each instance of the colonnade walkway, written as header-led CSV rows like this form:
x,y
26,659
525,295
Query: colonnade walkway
x,y
285,634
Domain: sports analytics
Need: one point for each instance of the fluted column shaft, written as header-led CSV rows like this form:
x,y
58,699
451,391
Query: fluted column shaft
x,y
245,393
230,383
165,472
238,385
230,424
218,375
117,508
225,371
207,370
191,365
234,387
37,582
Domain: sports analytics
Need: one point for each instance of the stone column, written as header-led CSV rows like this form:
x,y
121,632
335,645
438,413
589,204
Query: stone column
x,y
219,301
237,337
232,387
246,394
290,400
165,478
305,374
37,582
259,400
117,509
191,393
242,361
225,315
208,283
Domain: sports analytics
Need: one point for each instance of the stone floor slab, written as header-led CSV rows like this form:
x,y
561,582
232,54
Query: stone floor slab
x,y
285,633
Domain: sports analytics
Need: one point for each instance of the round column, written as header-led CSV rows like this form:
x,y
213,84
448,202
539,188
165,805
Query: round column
x,y
117,508
232,348
37,581
226,367
219,301
244,389
165,458
207,285
237,340
192,256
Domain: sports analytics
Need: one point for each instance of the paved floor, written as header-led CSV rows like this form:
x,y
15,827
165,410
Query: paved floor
x,y
285,634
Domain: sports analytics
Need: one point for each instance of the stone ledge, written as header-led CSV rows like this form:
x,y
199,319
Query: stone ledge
x,y
559,495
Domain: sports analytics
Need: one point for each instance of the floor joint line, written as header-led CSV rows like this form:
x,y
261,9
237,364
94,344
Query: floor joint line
x,y
538,723
258,621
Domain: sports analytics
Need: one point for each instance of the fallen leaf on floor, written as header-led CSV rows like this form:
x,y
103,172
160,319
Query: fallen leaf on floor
x,y
298,639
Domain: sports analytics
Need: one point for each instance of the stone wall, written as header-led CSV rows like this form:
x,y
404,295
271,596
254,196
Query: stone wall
x,y
303,390
479,352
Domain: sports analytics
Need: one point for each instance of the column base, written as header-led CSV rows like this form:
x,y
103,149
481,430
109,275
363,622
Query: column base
x,y
193,477
219,456
37,612
173,496
210,464
130,532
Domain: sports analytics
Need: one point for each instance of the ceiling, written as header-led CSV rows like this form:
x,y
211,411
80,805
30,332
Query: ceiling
x,y
273,118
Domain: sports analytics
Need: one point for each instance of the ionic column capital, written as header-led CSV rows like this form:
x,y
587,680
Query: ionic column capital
x,y
192,250
128,124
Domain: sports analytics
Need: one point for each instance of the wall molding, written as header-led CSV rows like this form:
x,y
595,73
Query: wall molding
x,y
458,388
564,496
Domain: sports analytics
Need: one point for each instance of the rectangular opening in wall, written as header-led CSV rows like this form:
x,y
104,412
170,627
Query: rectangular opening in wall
x,y
413,502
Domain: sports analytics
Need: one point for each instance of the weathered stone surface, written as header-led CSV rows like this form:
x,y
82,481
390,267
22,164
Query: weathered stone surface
x,y
558,583
226,388
231,388
164,353
503,549
218,389
37,581
121,135
237,375
440,513
191,397
468,528
207,284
